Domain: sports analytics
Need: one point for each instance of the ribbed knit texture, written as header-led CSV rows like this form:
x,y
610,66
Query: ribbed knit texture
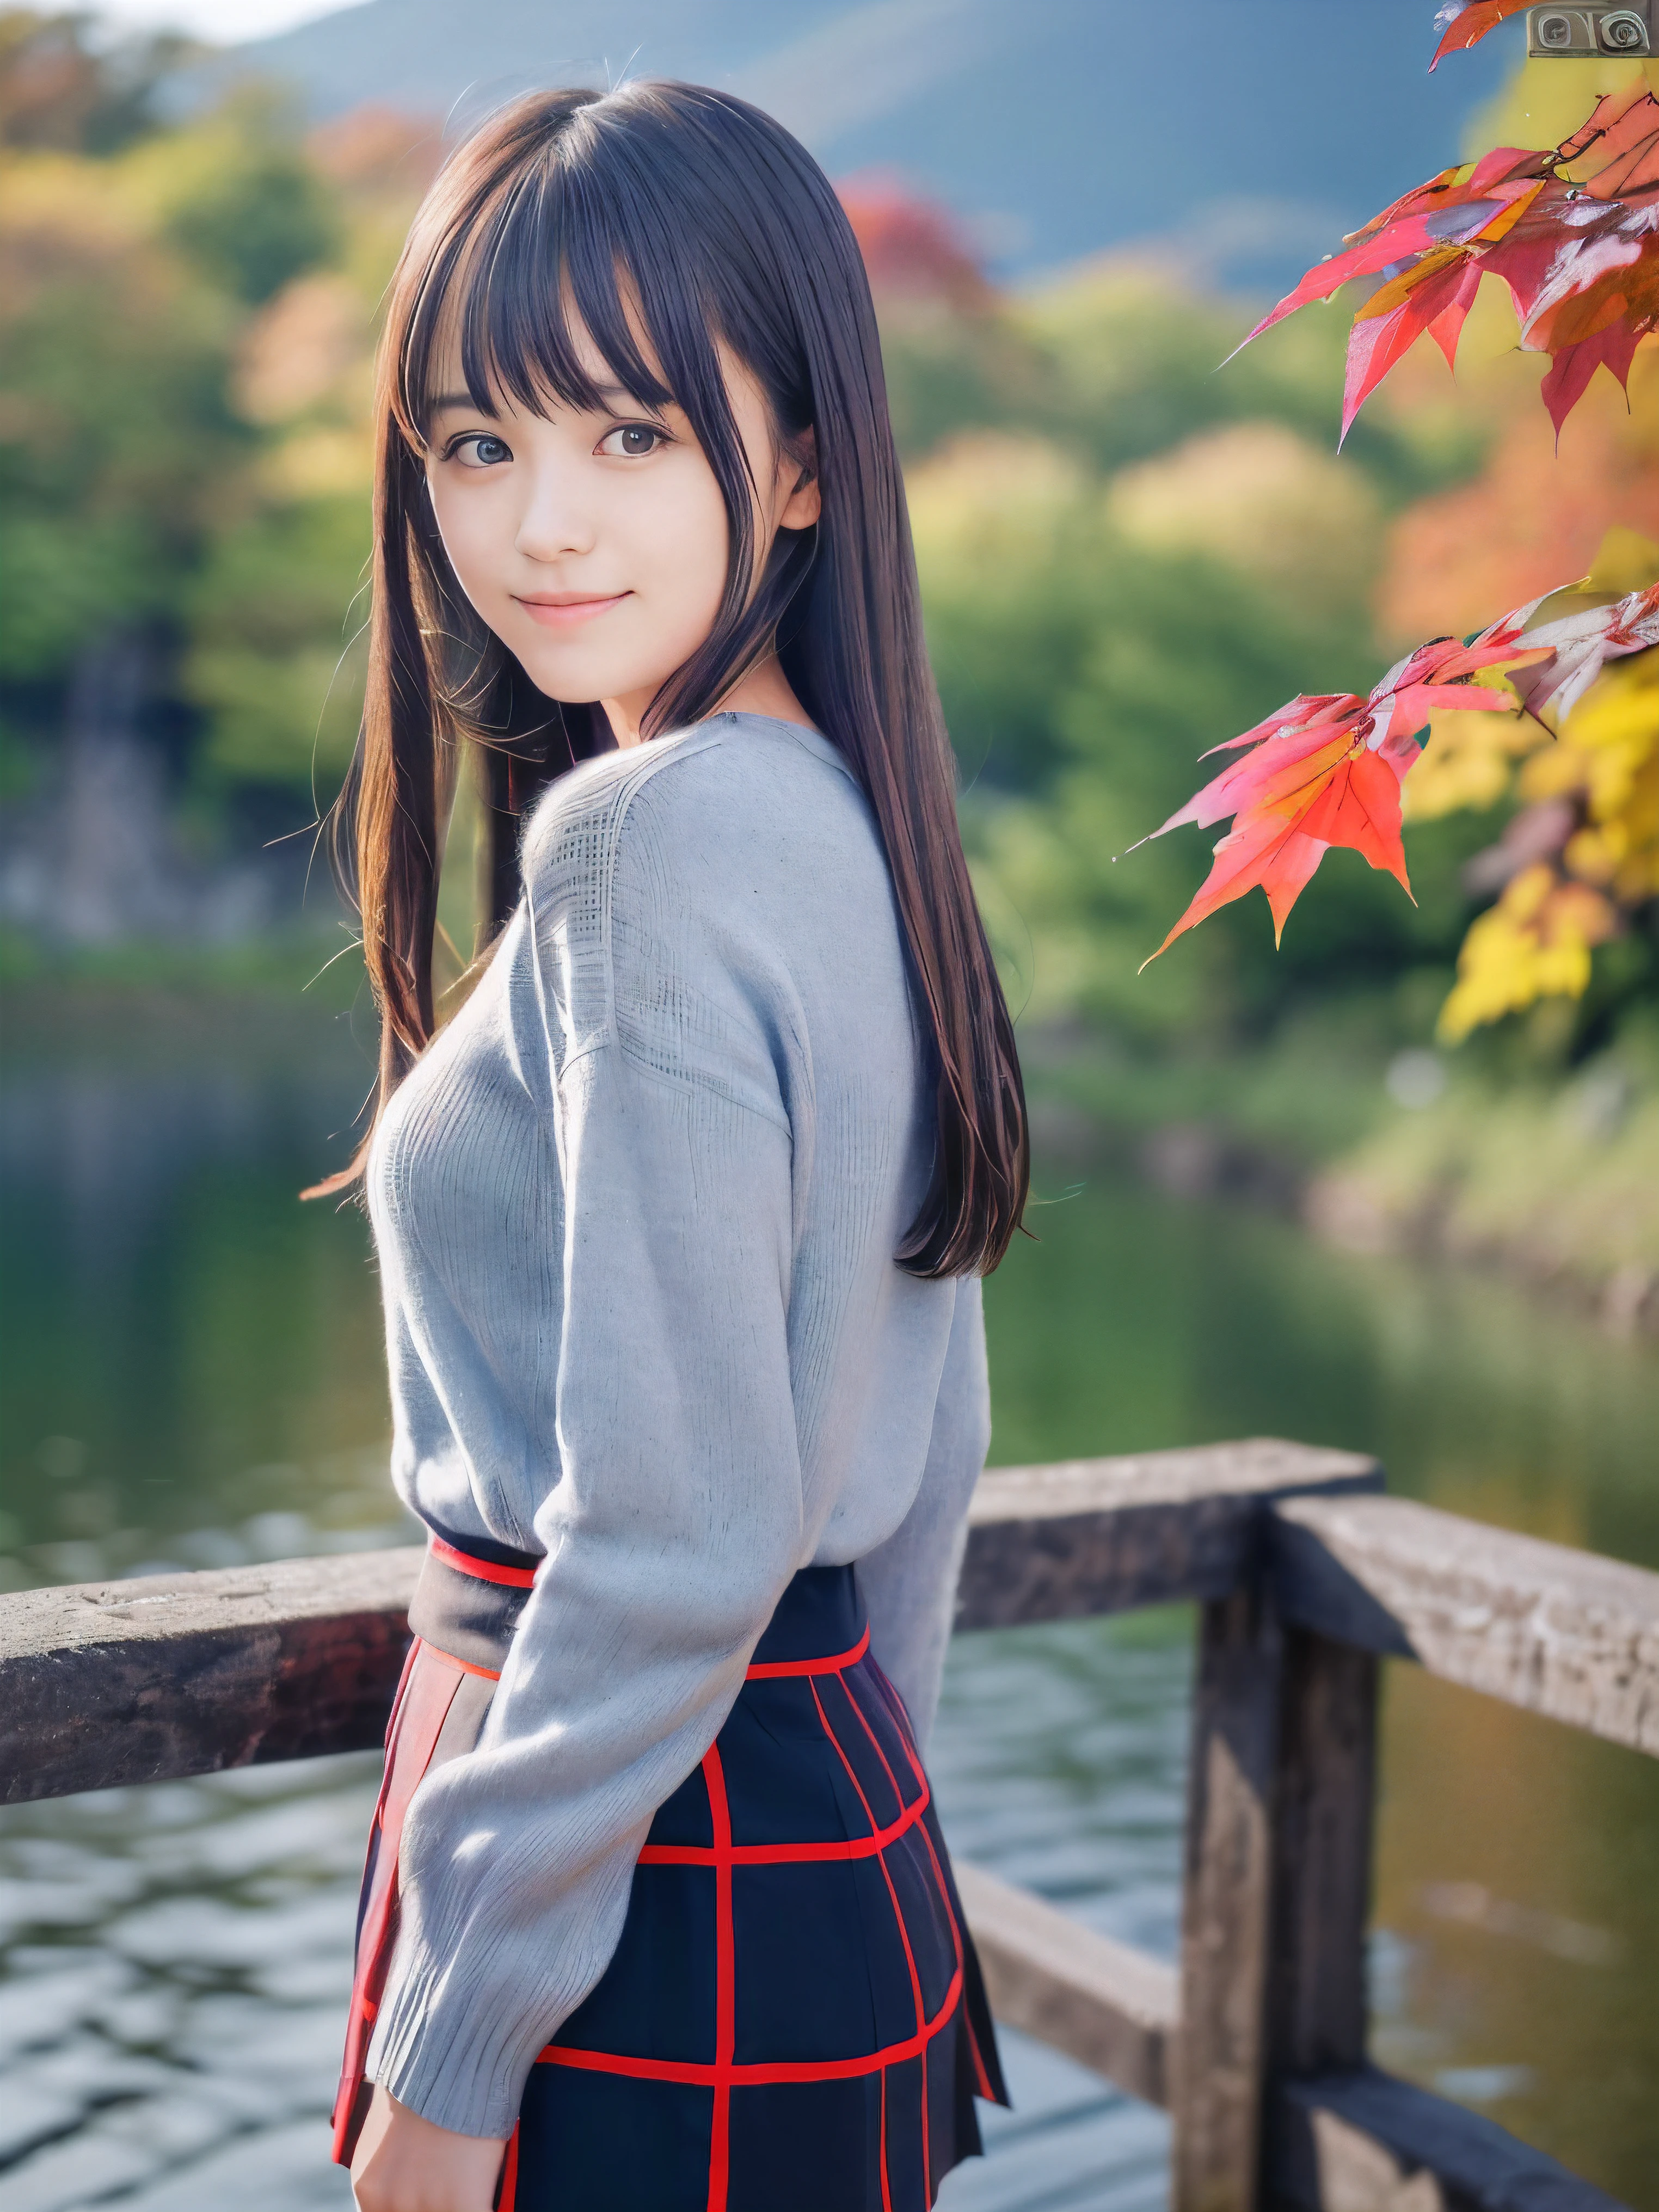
x,y
636,1208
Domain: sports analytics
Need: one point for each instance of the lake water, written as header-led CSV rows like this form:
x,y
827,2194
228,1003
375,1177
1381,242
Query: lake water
x,y
191,1377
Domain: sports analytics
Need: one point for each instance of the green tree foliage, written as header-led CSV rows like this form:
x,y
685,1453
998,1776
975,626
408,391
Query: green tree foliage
x,y
1122,360
116,436
270,660
186,324
274,616
246,207
1085,660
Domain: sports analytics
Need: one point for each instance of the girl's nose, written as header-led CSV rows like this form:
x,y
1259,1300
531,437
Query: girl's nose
x,y
555,521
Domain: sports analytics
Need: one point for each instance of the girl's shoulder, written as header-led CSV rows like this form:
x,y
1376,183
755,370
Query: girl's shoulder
x,y
686,804
678,893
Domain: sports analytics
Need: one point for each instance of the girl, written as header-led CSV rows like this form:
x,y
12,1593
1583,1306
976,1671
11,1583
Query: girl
x,y
681,1217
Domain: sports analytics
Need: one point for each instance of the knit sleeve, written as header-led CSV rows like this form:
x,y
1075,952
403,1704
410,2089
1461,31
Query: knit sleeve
x,y
675,1520
909,1583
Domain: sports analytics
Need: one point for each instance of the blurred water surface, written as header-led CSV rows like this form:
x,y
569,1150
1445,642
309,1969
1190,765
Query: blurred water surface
x,y
192,1377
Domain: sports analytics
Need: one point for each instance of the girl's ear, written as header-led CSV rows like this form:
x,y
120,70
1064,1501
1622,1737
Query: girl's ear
x,y
804,503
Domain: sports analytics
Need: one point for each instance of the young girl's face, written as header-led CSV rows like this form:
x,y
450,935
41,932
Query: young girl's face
x,y
595,544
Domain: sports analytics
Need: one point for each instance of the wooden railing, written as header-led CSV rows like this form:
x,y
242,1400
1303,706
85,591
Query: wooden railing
x,y
1306,1576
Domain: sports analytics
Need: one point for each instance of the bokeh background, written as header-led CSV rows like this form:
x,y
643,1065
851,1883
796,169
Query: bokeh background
x,y
1270,1198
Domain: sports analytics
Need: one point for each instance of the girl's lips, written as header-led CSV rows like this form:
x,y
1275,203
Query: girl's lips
x,y
569,614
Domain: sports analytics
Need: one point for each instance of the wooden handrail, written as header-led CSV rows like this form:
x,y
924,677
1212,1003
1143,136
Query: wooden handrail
x,y
106,1683
1561,1633
1106,1536
1304,1577
173,1674
1112,2008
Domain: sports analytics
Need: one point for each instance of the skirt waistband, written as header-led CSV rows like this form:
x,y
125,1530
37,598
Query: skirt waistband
x,y
468,1605
517,1574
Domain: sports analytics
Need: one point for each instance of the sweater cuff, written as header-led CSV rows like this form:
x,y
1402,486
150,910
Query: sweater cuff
x,y
434,2052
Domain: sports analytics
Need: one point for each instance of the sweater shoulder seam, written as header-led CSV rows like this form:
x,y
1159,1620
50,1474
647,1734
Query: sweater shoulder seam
x,y
607,808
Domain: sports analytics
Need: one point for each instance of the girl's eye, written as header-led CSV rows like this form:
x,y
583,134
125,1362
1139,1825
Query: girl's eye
x,y
479,450
632,440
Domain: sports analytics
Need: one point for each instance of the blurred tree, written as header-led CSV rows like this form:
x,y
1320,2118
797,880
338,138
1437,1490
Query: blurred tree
x,y
185,473
116,439
1269,503
1134,355
1536,514
1092,636
1010,538
123,288
239,194
270,659
54,92
275,615
912,248
1120,357
116,447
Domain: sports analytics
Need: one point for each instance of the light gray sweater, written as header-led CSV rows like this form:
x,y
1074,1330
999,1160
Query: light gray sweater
x,y
636,1208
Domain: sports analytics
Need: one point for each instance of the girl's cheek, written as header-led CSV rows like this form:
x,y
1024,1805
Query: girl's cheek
x,y
473,568
474,536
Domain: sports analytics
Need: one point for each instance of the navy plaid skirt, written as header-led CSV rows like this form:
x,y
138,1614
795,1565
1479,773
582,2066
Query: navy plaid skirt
x,y
793,2017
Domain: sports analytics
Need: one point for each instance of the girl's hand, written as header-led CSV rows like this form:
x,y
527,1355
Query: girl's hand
x,y
406,2164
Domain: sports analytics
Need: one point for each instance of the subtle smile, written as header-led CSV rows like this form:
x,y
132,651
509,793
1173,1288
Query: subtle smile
x,y
567,611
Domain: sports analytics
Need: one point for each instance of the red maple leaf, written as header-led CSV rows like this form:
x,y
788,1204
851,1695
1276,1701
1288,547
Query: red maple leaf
x,y
1580,255
1462,23
1327,770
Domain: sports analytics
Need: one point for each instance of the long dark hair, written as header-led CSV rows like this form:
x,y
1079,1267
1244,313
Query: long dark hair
x,y
704,221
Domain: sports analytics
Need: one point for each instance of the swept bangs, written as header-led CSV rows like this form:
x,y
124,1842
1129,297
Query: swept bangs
x,y
535,268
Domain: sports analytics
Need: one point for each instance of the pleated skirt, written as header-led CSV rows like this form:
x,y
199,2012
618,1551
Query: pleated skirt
x,y
794,2019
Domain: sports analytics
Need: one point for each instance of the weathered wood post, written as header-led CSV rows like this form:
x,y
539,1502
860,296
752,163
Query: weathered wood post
x,y
1277,1886
1221,2053
1324,1792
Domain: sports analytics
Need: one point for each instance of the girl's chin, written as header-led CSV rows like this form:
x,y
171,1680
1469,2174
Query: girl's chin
x,y
580,677
579,683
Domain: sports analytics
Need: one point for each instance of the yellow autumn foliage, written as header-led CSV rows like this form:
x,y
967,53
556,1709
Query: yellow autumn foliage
x,y
1535,944
1608,758
1603,764
1468,761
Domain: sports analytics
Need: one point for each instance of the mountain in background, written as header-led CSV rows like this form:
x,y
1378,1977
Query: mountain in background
x,y
1246,135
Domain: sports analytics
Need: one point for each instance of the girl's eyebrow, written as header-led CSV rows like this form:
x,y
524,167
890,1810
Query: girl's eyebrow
x,y
611,393
464,401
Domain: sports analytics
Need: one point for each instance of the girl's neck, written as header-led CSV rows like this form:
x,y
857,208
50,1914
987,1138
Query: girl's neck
x,y
764,690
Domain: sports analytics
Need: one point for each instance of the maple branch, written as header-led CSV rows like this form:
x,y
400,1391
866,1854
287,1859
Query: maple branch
x,y
1327,770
